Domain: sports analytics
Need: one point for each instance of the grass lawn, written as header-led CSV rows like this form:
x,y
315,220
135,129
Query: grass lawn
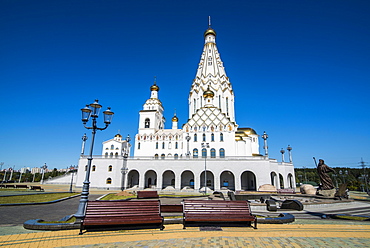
x,y
34,198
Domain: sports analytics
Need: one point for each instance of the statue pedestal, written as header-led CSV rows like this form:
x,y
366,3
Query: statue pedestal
x,y
326,192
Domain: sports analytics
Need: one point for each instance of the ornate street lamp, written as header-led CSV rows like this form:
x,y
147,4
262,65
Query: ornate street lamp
x,y
84,138
289,148
282,155
188,152
264,137
124,168
44,167
91,111
205,146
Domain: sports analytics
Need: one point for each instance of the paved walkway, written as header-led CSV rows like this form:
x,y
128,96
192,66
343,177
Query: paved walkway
x,y
268,235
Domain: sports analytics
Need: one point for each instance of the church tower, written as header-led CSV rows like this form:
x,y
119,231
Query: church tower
x,y
151,117
211,75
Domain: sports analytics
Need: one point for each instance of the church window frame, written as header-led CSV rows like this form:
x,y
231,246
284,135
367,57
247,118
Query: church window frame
x,y
195,137
176,145
212,137
156,156
108,181
204,153
147,123
138,145
106,154
93,168
204,137
112,147
163,145
221,137
110,168
227,106
222,153
195,153
163,156
111,155
176,156
156,145
116,155
213,153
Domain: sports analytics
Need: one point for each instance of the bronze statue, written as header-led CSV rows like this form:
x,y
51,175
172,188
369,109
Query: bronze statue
x,y
323,170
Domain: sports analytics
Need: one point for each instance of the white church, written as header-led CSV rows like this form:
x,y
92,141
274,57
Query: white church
x,y
209,150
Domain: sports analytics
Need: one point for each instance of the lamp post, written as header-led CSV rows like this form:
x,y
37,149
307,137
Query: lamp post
x,y
91,111
124,167
188,152
264,137
282,151
43,173
205,146
289,148
84,138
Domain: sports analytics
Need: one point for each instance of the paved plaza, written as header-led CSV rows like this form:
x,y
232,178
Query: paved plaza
x,y
304,232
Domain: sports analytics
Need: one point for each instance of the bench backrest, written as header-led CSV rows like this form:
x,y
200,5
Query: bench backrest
x,y
216,207
111,209
147,194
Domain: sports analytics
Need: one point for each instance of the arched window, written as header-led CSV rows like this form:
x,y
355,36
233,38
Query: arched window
x,y
204,153
227,106
110,168
213,153
222,153
195,105
93,168
176,145
109,180
111,155
163,156
116,155
204,137
212,137
163,145
106,154
112,147
147,123
195,138
221,137
156,145
156,156
138,146
176,156
195,153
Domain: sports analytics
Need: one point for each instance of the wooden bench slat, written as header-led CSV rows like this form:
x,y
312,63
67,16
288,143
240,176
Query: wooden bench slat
x,y
120,213
217,211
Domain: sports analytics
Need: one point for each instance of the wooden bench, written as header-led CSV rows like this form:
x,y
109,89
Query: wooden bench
x,y
122,213
221,212
21,186
9,186
147,194
286,191
36,188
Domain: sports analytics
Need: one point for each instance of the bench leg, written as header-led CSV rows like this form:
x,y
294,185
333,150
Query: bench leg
x,y
255,223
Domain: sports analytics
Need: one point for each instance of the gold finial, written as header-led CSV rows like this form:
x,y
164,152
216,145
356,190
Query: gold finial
x,y
154,86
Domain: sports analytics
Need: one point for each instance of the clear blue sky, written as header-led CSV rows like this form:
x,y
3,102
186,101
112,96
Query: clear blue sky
x,y
300,71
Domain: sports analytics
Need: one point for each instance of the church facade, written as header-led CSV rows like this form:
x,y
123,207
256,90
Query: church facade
x,y
209,152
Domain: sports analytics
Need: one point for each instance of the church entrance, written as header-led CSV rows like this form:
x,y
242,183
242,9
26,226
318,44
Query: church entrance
x,y
227,180
150,179
132,179
168,179
187,180
248,181
210,180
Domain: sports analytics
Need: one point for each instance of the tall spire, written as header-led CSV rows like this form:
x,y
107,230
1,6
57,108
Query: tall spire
x,y
211,73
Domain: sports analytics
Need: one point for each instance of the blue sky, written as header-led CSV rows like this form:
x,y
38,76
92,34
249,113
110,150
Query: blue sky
x,y
300,71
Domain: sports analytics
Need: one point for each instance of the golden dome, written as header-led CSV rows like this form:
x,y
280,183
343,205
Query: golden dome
x,y
210,31
154,87
118,135
175,119
208,93
247,131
